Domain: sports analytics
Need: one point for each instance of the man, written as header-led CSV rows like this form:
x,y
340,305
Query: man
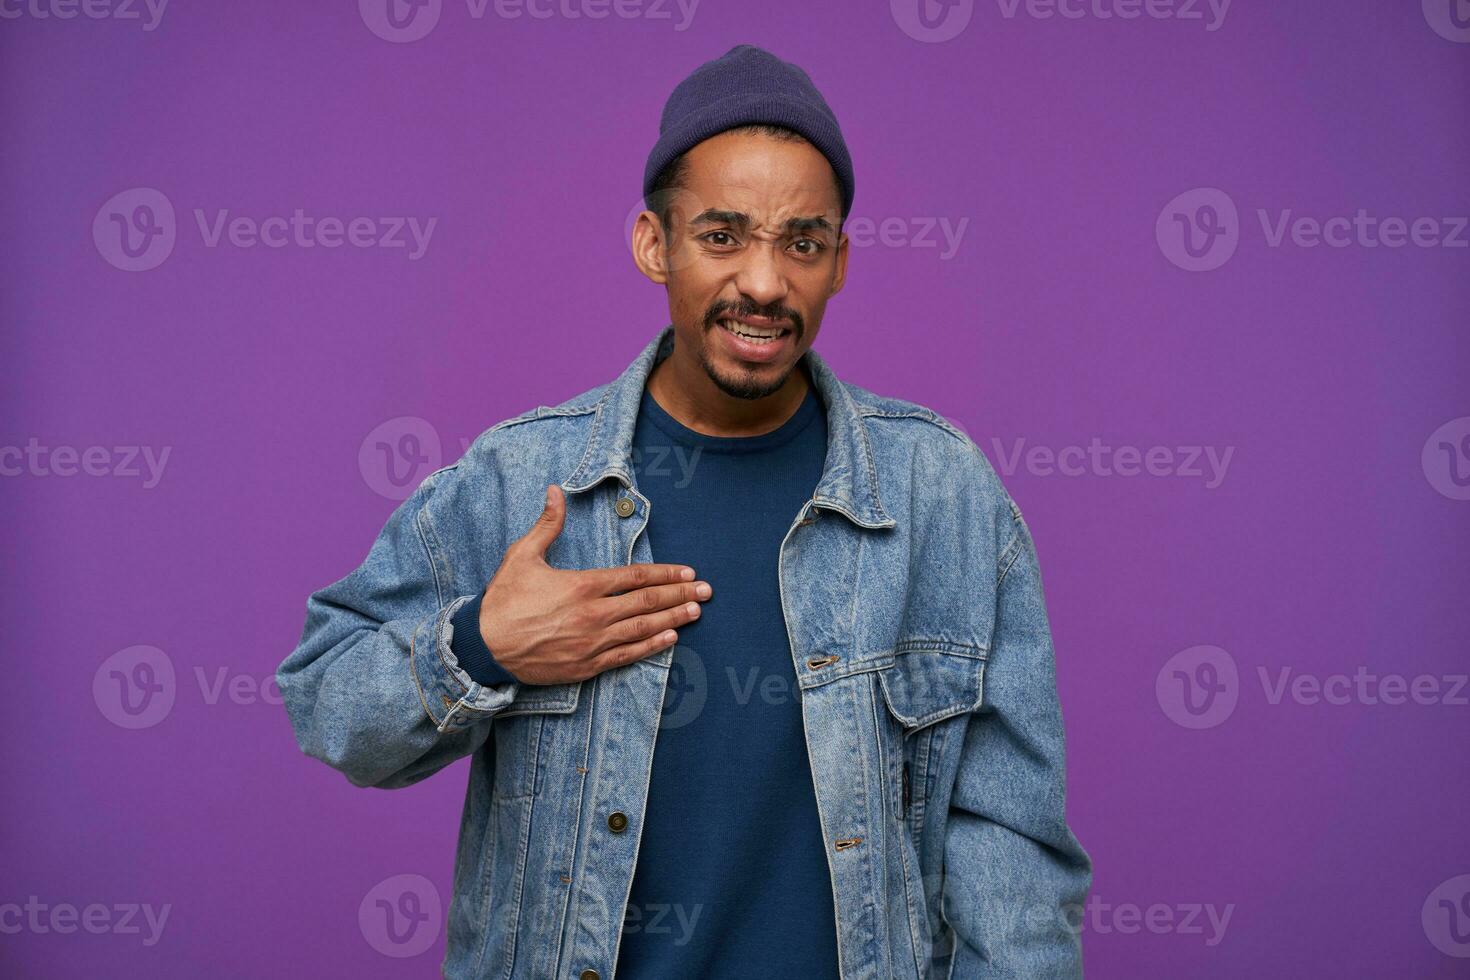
x,y
820,737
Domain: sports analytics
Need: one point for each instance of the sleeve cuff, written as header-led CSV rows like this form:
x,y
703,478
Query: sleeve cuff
x,y
469,647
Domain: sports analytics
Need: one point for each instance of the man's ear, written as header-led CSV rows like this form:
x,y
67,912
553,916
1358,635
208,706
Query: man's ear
x,y
649,247
839,277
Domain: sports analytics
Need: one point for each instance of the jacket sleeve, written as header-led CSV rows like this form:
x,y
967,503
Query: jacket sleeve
x,y
1015,877
373,689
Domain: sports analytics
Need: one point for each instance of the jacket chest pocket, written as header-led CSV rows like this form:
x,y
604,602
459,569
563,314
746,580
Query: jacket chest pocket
x,y
520,736
929,681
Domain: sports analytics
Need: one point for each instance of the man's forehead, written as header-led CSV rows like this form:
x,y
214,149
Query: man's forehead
x,y
769,180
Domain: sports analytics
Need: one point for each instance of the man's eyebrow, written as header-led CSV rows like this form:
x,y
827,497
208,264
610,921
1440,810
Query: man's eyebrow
x,y
739,219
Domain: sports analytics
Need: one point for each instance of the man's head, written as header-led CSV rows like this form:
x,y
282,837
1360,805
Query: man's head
x,y
747,192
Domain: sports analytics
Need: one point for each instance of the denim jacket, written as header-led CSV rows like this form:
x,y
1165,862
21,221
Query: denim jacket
x,y
920,649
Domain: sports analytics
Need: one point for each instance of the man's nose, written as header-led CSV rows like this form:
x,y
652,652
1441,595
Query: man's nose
x,y
761,276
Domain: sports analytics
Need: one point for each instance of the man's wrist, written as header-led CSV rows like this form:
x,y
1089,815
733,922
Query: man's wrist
x,y
470,649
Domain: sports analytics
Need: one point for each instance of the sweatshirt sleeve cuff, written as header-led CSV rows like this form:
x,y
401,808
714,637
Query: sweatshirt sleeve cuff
x,y
469,647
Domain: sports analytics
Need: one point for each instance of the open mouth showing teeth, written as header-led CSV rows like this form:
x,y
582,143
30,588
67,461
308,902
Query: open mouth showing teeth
x,y
754,335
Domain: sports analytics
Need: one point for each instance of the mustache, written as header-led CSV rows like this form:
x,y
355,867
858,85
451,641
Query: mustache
x,y
723,310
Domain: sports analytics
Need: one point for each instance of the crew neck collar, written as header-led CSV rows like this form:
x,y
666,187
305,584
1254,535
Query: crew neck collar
x,y
804,415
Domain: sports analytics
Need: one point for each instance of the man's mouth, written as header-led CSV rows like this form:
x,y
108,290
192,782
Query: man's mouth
x,y
753,333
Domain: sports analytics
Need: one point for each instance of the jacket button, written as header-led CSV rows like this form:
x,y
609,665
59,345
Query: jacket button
x,y
625,506
589,975
617,821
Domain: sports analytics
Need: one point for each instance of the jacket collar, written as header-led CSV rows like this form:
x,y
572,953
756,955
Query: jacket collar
x,y
849,482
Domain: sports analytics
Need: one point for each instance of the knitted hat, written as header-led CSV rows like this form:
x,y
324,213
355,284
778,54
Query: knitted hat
x,y
747,85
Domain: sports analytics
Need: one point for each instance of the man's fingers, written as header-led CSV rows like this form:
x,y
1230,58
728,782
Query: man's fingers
x,y
644,625
620,656
625,578
648,600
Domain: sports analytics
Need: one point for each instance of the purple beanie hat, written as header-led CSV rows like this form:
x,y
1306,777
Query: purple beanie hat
x,y
747,85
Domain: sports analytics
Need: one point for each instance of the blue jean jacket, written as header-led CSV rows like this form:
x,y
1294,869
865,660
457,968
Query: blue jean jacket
x,y
920,648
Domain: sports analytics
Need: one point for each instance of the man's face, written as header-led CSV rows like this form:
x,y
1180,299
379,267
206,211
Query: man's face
x,y
753,238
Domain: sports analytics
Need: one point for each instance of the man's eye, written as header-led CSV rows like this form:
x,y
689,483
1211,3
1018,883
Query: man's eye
x,y
815,248
724,234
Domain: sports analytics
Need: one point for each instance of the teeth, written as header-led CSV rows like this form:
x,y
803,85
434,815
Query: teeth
x,y
752,334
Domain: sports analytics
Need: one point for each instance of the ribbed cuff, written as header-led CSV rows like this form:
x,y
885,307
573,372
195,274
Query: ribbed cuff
x,y
469,647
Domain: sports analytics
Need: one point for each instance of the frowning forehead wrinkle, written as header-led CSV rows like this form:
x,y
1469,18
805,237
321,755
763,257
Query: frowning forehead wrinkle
x,y
715,216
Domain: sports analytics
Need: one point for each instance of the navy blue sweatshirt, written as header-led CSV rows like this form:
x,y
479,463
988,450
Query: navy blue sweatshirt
x,y
731,878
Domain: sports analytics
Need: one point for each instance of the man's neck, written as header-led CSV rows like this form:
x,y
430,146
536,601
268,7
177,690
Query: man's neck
x,y
681,387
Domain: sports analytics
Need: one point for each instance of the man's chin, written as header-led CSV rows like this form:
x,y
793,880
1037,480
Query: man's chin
x,y
747,381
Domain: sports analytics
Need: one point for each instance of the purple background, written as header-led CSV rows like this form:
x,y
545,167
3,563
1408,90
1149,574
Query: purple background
x,y
1327,547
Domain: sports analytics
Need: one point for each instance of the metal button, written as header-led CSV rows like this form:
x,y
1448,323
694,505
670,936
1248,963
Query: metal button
x,y
617,821
625,506
590,975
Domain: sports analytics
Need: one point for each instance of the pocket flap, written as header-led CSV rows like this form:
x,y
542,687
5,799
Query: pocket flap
x,y
549,698
930,680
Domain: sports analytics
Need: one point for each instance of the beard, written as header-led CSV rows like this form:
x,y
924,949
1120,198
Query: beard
x,y
742,382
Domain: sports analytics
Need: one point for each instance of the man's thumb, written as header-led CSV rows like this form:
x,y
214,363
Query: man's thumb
x,y
549,524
